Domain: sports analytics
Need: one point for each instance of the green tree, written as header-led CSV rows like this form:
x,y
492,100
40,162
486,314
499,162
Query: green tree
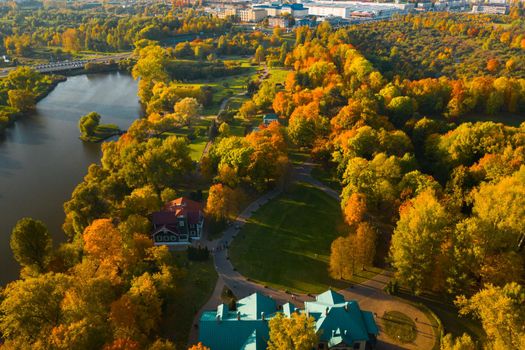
x,y
88,124
260,54
401,108
31,243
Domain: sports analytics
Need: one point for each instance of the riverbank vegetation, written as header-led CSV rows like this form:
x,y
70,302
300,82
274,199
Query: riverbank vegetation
x,y
92,131
19,93
108,286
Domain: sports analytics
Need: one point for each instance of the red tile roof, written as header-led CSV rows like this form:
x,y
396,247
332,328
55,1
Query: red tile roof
x,y
178,207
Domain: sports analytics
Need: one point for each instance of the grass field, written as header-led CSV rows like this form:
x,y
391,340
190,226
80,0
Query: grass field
x,y
193,290
226,86
399,327
327,176
278,75
286,244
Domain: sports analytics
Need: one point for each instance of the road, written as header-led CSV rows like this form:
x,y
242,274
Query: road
x,y
369,294
69,65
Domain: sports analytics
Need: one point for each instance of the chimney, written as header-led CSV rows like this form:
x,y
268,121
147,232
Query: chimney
x,y
346,307
326,311
218,318
262,316
238,315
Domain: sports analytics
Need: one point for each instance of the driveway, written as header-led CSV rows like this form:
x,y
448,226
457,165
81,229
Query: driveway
x,y
369,294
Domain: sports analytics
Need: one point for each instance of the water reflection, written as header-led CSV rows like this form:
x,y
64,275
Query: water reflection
x,y
42,158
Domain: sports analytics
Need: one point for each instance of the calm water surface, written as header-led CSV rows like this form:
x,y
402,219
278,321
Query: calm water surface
x,y
42,158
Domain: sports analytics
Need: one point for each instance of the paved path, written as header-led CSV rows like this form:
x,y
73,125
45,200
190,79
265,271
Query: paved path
x,y
369,294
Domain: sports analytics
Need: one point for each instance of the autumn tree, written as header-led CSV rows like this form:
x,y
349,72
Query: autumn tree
x,y
417,240
492,65
198,346
355,208
343,257
296,332
223,202
464,342
31,308
188,108
501,311
248,109
71,40
103,243
31,244
306,125
365,244
22,100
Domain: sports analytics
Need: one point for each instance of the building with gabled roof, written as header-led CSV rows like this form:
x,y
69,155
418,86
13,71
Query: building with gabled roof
x,y
340,324
181,221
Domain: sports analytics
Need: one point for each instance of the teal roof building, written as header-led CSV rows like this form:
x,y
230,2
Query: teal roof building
x,y
269,118
340,324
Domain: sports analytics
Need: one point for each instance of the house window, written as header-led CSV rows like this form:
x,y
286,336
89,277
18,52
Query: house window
x,y
181,223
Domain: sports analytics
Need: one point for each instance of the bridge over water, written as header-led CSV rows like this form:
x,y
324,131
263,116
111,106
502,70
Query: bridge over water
x,y
64,66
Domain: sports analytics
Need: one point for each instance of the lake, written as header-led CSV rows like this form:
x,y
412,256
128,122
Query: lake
x,y
42,159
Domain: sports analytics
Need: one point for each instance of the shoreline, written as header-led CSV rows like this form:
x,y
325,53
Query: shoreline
x,y
60,78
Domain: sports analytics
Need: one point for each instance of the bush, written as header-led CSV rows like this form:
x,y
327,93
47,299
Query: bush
x,y
198,253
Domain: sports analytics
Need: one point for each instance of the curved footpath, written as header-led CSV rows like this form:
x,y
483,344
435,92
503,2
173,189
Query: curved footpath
x,y
369,294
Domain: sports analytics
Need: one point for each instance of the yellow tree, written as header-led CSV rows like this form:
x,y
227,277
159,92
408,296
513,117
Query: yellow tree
x,y
501,311
365,244
460,343
342,258
222,202
296,332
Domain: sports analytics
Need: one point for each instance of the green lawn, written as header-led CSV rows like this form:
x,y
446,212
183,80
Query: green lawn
x,y
326,176
194,289
399,327
278,75
286,244
224,87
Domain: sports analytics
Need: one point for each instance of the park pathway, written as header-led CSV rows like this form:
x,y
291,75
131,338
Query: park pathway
x,y
224,105
370,294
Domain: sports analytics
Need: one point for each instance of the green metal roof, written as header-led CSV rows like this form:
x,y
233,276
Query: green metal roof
x,y
330,298
255,305
337,321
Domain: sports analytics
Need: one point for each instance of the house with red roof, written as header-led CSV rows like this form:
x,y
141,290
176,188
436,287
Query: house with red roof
x,y
181,221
